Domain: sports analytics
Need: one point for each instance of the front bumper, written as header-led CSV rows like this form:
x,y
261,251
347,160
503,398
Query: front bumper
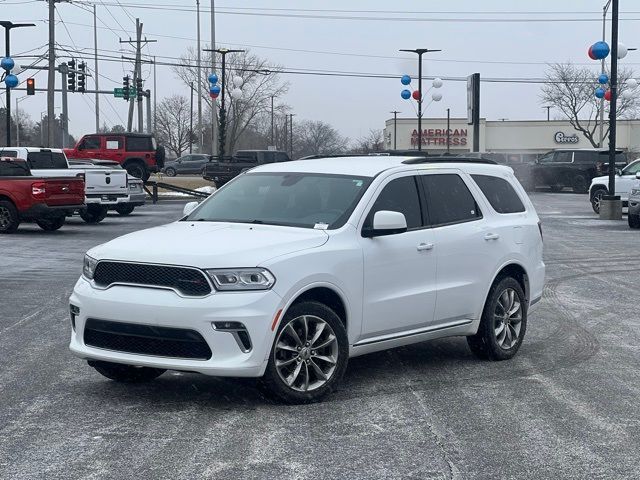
x,y
164,308
634,205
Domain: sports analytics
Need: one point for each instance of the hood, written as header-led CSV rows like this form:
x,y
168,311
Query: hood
x,y
209,245
604,178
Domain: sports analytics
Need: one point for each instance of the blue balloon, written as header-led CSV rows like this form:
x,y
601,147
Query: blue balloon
x,y
405,80
11,81
406,94
215,90
7,63
603,79
600,50
213,78
600,92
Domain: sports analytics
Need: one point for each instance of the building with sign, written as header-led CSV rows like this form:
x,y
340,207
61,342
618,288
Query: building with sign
x,y
528,138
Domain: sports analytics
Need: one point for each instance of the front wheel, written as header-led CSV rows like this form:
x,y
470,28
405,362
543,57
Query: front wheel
x,y
9,217
125,209
596,197
503,323
51,224
309,354
634,221
126,373
170,171
94,214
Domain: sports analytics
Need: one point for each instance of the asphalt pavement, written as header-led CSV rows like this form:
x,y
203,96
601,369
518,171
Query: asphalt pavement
x,y
566,407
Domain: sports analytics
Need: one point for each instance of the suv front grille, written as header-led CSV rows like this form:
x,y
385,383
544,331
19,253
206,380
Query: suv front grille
x,y
187,281
146,339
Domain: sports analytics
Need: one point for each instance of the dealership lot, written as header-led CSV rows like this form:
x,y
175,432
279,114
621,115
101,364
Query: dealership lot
x,y
565,407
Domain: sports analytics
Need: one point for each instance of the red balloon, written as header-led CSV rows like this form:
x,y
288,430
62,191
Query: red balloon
x,y
213,95
590,52
607,95
416,95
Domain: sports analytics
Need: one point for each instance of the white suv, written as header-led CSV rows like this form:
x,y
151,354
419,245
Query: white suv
x,y
292,268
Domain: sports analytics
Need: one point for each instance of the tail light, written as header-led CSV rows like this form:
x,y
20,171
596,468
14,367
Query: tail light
x,y
540,228
38,190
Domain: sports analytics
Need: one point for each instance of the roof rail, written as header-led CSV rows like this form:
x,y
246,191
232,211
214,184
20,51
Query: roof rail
x,y
447,159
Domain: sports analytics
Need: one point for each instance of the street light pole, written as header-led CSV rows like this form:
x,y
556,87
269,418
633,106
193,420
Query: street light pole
x,y
614,99
191,120
420,52
602,71
291,133
199,82
548,107
448,130
395,129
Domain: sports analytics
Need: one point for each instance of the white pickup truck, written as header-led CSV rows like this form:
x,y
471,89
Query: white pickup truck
x,y
105,188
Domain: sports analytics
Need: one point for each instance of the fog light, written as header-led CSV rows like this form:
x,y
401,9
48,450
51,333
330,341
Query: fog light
x,y
239,332
74,311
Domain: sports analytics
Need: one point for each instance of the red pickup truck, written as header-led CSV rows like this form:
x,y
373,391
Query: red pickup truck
x,y
46,201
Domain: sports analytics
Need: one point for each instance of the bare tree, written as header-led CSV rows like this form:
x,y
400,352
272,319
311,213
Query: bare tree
x,y
261,81
570,89
371,142
173,119
317,138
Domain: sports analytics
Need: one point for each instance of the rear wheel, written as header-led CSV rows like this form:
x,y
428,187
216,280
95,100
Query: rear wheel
x,y
126,373
634,221
596,197
580,184
51,224
9,217
503,323
125,209
170,171
94,214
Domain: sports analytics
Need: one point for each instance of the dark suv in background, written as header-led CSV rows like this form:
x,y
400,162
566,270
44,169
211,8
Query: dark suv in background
x,y
221,171
187,164
566,168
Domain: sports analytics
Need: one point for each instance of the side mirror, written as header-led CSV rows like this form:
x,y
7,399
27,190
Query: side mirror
x,y
618,172
386,222
189,207
638,175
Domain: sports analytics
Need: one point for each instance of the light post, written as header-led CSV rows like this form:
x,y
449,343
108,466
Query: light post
x,y
548,107
420,52
10,80
291,115
191,120
395,129
18,100
223,120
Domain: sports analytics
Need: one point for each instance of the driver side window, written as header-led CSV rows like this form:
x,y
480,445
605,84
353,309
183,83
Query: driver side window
x,y
90,143
632,169
399,195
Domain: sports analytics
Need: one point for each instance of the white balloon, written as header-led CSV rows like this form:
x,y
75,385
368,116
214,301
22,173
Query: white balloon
x,y
236,93
622,50
238,81
627,94
437,82
436,97
631,83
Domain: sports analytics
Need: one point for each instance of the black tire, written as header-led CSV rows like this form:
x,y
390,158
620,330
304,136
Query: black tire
x,y
138,169
580,184
94,214
485,343
557,188
51,224
634,221
126,373
170,171
595,197
9,217
272,379
125,209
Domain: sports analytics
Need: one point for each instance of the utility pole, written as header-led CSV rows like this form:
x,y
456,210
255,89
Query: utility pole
x,y
155,97
214,113
95,67
395,129
149,122
272,125
291,133
420,52
191,120
448,130
64,120
51,79
199,89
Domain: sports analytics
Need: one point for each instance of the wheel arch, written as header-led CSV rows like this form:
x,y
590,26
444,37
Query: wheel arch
x,y
7,198
518,272
595,187
325,293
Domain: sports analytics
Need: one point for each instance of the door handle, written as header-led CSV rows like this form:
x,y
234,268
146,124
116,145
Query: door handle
x,y
491,236
425,246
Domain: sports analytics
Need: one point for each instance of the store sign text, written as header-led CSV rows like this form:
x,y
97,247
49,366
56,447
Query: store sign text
x,y
560,137
438,136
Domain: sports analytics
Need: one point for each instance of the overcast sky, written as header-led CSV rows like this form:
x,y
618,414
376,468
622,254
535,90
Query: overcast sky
x,y
503,49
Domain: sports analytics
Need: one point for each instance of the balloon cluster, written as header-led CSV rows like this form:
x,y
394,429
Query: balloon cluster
x,y
7,64
215,89
600,51
406,94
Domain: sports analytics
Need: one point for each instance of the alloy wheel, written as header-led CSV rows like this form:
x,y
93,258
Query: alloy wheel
x,y
5,218
306,353
507,319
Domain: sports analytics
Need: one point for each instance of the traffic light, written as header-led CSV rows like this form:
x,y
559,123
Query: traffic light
x,y
139,91
31,86
71,76
125,88
81,77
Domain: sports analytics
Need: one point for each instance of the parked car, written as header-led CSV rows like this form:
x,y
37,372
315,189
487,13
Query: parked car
x,y
294,267
221,172
105,187
625,180
633,215
138,153
574,168
45,201
192,163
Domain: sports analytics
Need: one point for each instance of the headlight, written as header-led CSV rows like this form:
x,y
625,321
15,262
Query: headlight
x,y
237,279
89,267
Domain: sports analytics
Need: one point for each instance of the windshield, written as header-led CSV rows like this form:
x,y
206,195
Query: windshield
x,y
632,168
308,200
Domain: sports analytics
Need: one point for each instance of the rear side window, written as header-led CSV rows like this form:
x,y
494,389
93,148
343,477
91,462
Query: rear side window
x,y
114,143
8,153
585,157
501,195
399,195
139,144
449,200
16,168
46,160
